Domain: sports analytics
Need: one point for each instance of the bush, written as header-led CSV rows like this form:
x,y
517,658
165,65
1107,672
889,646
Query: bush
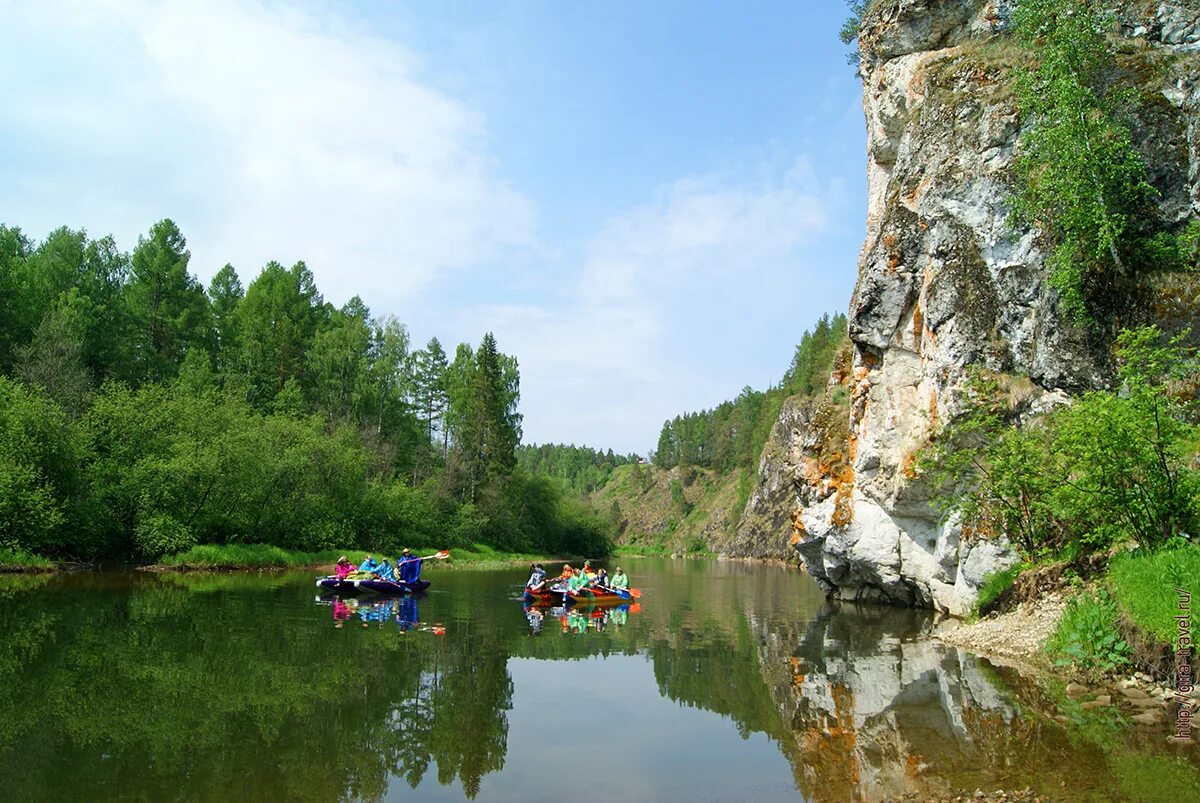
x,y
1087,636
1110,466
41,486
158,534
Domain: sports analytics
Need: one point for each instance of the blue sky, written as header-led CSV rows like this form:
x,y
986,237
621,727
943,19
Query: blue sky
x,y
647,202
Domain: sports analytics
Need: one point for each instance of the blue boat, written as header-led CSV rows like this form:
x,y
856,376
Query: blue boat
x,y
348,586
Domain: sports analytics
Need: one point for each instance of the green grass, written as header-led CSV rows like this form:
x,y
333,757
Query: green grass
x,y
256,556
15,559
1144,586
263,556
996,584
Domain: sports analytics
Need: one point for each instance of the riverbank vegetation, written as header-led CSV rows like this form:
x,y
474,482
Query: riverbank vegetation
x,y
142,415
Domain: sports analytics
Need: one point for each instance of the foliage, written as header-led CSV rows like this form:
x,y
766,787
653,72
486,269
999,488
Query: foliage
x,y
41,489
15,558
1112,465
1087,636
153,416
1080,179
1144,587
578,468
850,28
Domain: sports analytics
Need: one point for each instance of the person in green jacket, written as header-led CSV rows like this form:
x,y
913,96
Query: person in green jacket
x,y
578,584
620,580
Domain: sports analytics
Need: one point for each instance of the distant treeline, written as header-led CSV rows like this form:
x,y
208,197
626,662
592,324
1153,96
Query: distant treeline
x,y
732,434
578,468
141,413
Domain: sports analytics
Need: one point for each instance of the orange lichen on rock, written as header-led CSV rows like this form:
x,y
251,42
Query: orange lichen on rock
x,y
799,531
933,410
908,466
918,328
843,507
828,744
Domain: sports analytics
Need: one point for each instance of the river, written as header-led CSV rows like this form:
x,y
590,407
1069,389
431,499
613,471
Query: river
x,y
726,681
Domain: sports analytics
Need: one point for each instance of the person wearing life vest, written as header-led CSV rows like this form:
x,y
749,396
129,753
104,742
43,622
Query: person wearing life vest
x,y
620,580
537,578
601,578
589,573
579,583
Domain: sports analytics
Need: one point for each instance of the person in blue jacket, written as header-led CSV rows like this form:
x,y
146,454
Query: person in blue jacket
x,y
386,572
410,567
369,565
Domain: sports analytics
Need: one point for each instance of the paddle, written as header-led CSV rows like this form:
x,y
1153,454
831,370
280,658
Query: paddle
x,y
634,593
441,555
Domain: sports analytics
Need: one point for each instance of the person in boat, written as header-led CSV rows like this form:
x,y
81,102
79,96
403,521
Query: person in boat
x,y
386,571
620,580
589,573
410,567
370,566
537,578
564,579
601,578
579,583
342,568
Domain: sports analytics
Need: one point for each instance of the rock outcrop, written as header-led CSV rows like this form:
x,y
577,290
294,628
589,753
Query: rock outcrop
x,y
945,282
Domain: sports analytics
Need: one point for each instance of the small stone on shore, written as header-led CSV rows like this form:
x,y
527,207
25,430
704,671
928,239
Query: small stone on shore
x,y
1076,690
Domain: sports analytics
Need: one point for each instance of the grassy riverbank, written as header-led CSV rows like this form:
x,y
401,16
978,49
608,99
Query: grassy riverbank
x,y
1092,620
264,557
18,560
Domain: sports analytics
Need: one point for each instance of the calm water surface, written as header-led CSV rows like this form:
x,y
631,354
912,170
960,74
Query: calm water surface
x,y
727,682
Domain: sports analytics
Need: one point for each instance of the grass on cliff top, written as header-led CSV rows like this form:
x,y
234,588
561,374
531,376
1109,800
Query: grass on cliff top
x,y
1145,588
15,559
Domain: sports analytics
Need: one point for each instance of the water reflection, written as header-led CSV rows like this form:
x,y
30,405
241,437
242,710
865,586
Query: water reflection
x,y
214,686
402,610
580,619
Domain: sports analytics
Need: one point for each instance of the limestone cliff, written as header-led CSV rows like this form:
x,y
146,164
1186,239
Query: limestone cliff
x,y
945,282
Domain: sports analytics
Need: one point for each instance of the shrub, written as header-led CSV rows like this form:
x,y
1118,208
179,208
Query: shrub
x,y
158,534
1087,636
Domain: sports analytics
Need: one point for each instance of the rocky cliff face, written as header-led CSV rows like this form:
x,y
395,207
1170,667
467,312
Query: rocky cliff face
x,y
944,282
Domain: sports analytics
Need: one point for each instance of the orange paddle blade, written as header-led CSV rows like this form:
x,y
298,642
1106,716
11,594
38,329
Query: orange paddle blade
x,y
636,593
445,553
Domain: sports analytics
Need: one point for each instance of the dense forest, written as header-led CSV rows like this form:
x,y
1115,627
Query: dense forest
x,y
578,469
142,413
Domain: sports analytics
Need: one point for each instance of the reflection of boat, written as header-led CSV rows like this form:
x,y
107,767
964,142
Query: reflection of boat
x,y
556,595
401,610
348,586
580,618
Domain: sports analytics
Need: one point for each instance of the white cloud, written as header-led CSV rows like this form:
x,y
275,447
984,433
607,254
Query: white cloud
x,y
292,135
609,361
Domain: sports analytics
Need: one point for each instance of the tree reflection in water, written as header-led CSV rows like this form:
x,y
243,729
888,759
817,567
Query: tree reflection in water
x,y
211,687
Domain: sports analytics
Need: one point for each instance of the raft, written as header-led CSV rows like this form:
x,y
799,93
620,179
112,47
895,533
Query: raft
x,y
593,596
348,586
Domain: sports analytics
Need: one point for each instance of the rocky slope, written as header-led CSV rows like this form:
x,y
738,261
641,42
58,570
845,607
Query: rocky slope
x,y
944,282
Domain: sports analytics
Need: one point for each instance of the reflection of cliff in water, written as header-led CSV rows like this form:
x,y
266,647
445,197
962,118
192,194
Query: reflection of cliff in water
x,y
873,708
